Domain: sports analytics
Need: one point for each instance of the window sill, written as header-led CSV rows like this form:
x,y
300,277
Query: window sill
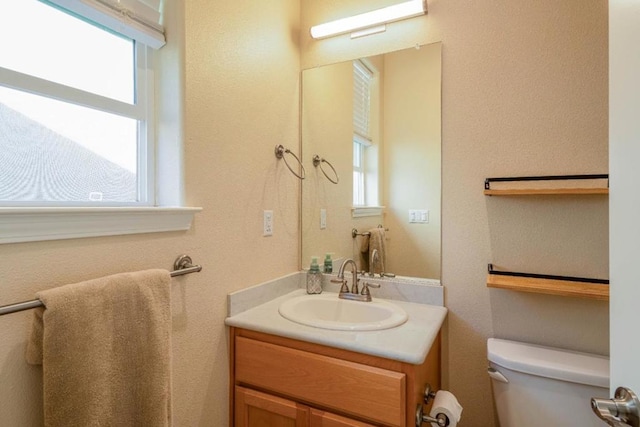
x,y
45,223
362,211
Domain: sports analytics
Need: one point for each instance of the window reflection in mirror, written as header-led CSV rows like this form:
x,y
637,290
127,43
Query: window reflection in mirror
x,y
365,118
399,168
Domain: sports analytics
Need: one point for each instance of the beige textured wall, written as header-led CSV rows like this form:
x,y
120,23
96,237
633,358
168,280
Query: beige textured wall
x,y
412,135
524,93
241,80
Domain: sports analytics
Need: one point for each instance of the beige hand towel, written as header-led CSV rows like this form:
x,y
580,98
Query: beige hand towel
x,y
377,241
105,348
363,253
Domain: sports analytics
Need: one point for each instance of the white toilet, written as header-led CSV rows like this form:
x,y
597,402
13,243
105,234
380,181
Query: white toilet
x,y
535,386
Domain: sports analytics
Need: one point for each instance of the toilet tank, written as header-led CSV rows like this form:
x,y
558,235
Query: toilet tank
x,y
537,386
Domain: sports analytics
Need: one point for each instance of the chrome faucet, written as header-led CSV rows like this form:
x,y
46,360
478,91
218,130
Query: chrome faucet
x,y
375,257
353,294
354,271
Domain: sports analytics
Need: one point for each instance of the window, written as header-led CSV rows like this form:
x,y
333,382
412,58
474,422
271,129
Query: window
x,y
76,112
365,187
75,122
361,127
358,173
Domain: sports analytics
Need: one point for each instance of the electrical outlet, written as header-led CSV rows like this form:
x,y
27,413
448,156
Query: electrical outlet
x,y
323,219
268,223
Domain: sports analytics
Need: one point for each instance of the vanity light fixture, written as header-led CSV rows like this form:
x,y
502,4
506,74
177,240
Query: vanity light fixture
x,y
376,18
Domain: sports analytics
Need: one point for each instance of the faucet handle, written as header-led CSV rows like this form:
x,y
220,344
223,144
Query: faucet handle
x,y
344,288
366,286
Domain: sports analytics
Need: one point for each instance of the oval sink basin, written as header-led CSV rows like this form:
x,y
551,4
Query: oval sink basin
x,y
331,312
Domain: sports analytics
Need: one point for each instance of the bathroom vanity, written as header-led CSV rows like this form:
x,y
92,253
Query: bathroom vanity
x,y
278,381
284,373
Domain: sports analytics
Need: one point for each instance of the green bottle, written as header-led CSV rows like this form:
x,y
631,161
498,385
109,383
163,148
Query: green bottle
x,y
328,264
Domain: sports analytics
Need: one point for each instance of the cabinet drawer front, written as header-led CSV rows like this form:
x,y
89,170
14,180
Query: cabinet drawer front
x,y
373,393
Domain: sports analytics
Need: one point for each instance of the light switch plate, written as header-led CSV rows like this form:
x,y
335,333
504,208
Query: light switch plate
x,y
419,216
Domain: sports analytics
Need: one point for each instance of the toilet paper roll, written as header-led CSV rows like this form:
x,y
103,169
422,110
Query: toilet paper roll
x,y
446,403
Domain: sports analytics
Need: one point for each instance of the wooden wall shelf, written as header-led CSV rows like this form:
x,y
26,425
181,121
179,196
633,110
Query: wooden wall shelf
x,y
545,191
550,285
541,283
593,187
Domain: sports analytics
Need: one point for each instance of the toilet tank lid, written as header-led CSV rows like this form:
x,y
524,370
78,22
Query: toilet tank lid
x,y
565,365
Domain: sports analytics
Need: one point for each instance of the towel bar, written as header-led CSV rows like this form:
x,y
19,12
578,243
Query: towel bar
x,y
181,266
354,232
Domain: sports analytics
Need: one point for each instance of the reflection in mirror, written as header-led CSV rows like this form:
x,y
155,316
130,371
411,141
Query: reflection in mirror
x,y
376,121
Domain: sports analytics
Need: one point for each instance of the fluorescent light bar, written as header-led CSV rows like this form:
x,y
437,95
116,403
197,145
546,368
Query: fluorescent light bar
x,y
385,15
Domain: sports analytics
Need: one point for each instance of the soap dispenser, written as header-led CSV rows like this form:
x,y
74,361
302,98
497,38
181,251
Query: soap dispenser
x,y
328,264
314,277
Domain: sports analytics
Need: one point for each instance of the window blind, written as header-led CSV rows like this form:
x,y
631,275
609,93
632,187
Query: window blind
x,y
140,20
361,102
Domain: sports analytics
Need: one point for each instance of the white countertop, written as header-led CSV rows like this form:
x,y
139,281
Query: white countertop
x,y
409,342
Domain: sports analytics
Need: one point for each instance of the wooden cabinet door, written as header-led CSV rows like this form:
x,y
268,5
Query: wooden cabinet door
x,y
256,409
327,419
322,381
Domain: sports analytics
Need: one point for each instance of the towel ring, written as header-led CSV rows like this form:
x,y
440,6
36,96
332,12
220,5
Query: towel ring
x,y
317,160
281,151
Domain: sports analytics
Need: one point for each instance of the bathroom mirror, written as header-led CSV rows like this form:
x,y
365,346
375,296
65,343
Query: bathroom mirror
x,y
375,125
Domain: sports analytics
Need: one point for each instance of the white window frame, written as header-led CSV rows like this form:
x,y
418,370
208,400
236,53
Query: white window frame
x,y
23,222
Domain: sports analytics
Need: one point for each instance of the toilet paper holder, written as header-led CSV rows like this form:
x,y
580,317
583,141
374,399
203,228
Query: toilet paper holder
x,y
441,419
